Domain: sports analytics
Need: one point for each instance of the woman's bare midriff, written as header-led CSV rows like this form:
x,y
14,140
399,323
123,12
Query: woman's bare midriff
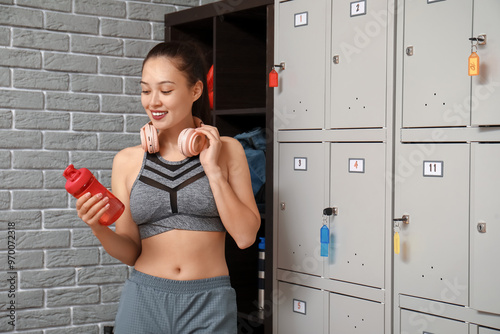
x,y
183,255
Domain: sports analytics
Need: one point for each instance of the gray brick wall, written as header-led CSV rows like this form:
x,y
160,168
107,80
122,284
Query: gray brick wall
x,y
69,93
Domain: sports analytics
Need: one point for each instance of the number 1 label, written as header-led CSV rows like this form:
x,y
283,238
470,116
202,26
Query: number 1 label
x,y
358,8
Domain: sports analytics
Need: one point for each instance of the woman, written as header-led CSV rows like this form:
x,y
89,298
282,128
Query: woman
x,y
178,209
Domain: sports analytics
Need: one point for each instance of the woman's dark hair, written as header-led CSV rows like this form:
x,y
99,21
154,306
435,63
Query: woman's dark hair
x,y
187,58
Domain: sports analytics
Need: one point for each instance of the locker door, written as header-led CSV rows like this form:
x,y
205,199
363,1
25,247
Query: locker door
x,y
485,199
486,86
436,85
354,315
358,80
300,96
300,309
301,193
483,330
420,323
432,187
357,232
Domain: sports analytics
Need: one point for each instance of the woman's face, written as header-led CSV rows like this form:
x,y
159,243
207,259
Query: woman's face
x,y
166,95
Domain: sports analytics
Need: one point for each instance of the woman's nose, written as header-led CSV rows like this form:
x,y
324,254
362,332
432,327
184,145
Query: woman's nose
x,y
155,100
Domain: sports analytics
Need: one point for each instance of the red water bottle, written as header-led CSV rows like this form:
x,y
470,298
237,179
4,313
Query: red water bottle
x,y
81,181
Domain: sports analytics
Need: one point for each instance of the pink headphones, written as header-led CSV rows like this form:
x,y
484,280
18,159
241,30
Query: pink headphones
x,y
190,142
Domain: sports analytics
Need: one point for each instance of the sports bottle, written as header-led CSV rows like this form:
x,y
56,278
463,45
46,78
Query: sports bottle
x,y
81,181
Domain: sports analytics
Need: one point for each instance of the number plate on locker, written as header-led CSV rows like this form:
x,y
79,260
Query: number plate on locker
x,y
299,306
300,163
433,168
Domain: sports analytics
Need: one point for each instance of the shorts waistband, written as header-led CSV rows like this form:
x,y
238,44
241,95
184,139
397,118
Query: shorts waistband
x,y
176,286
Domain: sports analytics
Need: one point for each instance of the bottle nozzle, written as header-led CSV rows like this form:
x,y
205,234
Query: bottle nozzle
x,y
70,172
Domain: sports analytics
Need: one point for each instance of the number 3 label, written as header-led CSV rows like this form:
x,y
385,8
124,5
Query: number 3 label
x,y
300,163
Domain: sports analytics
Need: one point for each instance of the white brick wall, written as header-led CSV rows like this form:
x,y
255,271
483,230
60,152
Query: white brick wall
x,y
69,93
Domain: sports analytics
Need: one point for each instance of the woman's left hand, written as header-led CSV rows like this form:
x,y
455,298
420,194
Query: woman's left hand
x,y
209,156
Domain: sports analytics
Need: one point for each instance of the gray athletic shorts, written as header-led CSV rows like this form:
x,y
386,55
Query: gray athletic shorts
x,y
154,305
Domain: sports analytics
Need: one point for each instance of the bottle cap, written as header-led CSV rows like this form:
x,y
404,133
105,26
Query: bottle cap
x,y
76,178
262,243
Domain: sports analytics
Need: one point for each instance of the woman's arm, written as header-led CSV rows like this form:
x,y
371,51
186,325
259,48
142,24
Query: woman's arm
x,y
124,243
232,191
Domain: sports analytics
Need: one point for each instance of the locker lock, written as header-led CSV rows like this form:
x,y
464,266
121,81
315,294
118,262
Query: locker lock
x,y
330,211
281,65
405,219
480,39
481,227
409,51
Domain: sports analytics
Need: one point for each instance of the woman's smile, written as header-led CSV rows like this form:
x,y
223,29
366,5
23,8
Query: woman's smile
x,y
157,115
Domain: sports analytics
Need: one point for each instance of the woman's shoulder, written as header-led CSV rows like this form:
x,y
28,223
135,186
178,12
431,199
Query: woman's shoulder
x,y
128,158
231,145
233,151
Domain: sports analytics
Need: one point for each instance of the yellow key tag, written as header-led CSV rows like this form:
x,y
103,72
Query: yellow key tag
x,y
473,64
396,243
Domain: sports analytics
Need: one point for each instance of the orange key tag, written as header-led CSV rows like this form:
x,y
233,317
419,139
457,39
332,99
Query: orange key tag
x,y
473,64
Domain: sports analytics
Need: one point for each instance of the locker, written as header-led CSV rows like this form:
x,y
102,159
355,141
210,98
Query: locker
x,y
358,71
300,309
483,330
354,315
420,323
357,232
436,85
485,98
485,199
301,202
300,97
432,187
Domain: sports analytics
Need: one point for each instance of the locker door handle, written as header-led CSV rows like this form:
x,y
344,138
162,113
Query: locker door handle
x,y
405,219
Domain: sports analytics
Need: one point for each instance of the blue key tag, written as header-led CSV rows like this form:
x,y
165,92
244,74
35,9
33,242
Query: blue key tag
x,y
325,240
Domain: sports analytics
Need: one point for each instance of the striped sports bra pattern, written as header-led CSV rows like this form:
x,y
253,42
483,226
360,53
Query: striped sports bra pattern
x,y
173,195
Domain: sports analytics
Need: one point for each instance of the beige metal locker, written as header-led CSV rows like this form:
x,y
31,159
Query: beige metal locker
x,y
301,203
357,190
485,99
359,64
300,309
421,323
349,315
485,227
432,188
300,96
436,86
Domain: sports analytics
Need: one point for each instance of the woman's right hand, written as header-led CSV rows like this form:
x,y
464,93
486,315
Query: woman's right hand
x,y
91,208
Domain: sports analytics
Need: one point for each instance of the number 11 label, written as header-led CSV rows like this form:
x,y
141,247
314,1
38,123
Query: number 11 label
x,y
433,168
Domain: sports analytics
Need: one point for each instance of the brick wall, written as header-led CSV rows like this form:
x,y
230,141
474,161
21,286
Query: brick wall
x,y
69,93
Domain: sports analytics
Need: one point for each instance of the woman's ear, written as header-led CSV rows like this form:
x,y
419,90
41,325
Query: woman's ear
x,y
197,90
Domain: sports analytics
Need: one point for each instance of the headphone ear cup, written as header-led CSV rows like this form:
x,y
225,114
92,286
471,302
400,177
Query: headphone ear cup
x,y
183,142
149,138
190,142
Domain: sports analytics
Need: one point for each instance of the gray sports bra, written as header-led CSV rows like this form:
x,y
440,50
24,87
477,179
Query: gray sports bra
x,y
171,195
